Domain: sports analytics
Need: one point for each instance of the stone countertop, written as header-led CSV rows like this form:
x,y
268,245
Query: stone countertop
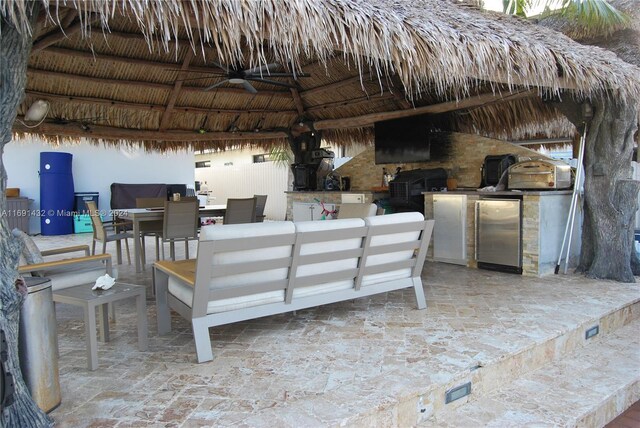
x,y
333,191
504,192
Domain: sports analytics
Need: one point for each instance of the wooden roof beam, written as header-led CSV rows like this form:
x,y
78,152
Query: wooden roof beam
x,y
177,86
351,102
331,86
77,130
297,101
125,60
149,107
65,31
151,85
475,101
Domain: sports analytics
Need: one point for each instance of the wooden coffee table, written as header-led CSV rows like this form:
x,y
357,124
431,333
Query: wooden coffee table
x,y
88,299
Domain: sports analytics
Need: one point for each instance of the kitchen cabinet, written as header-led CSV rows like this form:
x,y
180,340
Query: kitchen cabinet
x,y
311,211
449,233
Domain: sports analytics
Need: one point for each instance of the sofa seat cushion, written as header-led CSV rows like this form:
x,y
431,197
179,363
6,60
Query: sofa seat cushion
x,y
184,293
391,239
248,230
327,247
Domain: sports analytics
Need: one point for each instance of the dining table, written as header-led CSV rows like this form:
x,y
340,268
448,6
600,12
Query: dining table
x,y
139,215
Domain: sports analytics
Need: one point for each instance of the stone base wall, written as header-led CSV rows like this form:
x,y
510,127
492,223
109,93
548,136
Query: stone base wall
x,y
463,162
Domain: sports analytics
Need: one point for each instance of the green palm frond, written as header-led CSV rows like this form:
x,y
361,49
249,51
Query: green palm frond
x,y
281,156
596,15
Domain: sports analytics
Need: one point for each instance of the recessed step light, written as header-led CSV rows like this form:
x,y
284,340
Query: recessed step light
x,y
591,332
457,393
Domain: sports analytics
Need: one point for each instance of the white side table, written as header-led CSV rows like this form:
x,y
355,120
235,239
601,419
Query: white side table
x,y
88,299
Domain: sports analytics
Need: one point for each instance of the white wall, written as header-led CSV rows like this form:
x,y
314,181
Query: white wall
x,y
232,174
94,169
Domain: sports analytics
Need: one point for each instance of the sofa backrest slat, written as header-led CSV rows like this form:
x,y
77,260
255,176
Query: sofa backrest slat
x,y
308,259
387,267
390,248
250,243
250,266
322,278
247,290
386,229
331,235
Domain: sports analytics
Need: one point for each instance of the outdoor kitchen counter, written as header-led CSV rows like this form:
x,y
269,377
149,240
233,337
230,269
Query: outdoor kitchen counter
x,y
331,197
544,216
505,192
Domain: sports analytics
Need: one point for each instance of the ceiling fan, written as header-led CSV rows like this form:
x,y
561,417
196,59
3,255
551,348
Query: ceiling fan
x,y
237,75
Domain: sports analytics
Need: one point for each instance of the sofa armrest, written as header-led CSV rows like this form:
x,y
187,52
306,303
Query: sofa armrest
x,y
64,250
66,262
185,270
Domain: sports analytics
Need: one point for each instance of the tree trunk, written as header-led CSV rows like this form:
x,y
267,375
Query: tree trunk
x,y
610,196
14,51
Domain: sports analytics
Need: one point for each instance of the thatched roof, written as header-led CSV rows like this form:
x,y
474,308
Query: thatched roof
x,y
135,71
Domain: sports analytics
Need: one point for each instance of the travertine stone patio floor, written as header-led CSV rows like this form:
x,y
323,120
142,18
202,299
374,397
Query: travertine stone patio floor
x,y
366,362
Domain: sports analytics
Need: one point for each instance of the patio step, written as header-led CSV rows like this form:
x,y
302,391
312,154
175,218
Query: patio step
x,y
587,388
417,397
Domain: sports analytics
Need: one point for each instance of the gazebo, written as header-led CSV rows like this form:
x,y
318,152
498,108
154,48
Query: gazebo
x,y
212,74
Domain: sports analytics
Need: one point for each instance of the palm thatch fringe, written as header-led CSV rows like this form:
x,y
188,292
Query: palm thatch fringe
x,y
521,119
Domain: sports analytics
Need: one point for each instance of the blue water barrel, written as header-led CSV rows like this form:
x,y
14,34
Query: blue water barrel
x,y
56,193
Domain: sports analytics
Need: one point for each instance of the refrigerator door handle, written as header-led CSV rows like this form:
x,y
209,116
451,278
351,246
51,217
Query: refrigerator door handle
x,y
476,230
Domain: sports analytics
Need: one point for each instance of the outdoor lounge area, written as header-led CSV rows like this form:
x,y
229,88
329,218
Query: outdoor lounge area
x,y
374,361
279,304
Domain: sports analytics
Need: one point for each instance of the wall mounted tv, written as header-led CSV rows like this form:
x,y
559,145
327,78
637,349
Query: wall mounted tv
x,y
409,139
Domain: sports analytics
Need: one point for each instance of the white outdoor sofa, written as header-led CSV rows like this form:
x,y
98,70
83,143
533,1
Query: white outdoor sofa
x,y
249,271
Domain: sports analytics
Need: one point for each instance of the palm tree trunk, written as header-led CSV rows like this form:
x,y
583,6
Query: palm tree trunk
x,y
15,47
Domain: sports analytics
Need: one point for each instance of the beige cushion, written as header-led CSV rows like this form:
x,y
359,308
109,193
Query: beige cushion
x,y
356,210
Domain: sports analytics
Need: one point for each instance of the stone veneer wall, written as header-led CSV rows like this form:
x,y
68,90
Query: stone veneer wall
x,y
326,197
464,162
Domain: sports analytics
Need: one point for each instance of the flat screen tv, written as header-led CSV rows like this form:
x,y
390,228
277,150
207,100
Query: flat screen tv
x,y
408,139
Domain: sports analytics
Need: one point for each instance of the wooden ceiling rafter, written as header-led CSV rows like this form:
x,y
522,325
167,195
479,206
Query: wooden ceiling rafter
x,y
76,129
67,28
151,85
148,107
330,86
177,86
448,106
43,16
101,56
351,102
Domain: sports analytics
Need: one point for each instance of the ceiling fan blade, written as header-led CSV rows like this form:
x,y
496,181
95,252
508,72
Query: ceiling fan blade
x,y
293,76
249,87
262,69
208,88
271,82
213,76
220,65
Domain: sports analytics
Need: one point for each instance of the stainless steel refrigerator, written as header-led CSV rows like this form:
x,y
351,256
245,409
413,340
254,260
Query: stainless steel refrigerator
x,y
499,234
